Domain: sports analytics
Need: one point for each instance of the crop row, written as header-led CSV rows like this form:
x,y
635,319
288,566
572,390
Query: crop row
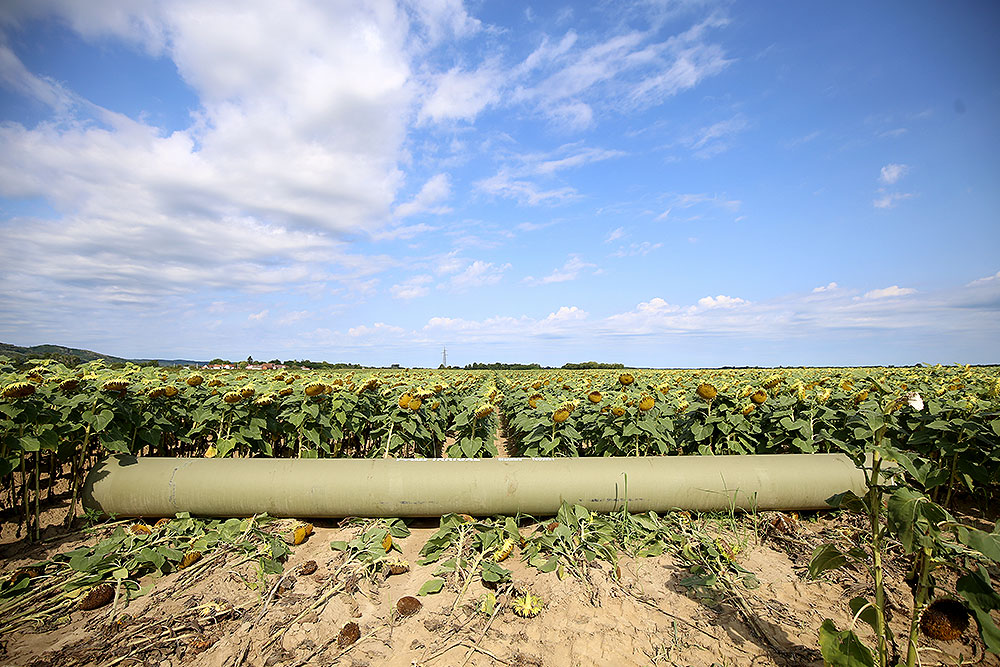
x,y
54,421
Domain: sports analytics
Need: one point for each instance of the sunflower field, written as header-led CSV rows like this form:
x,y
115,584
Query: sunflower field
x,y
56,422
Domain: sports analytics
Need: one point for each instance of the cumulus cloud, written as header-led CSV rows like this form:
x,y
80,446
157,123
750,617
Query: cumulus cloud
x,y
376,330
891,173
721,301
461,95
412,288
825,288
889,292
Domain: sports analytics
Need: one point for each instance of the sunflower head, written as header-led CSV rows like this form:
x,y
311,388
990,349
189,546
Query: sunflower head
x,y
404,401
706,391
69,385
527,605
560,415
286,391
758,397
773,382
115,384
625,379
533,400
232,397
247,392
194,380
215,382
860,397
618,410
18,390
646,403
594,397
264,401
748,409
944,618
484,410
415,404
157,392
315,388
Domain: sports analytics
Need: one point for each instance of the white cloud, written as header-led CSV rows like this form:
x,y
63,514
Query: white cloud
x,y
889,292
891,173
412,288
289,147
995,278
714,139
478,274
435,190
379,329
257,317
889,199
637,249
461,95
566,314
616,233
721,301
825,288
569,271
526,192
576,158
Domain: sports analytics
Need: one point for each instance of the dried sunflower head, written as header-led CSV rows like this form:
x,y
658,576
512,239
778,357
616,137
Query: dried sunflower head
x,y
18,390
560,415
646,403
944,618
315,388
232,397
115,384
706,391
594,397
194,380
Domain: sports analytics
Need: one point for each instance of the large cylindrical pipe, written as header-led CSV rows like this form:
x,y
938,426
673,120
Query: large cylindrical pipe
x,y
148,486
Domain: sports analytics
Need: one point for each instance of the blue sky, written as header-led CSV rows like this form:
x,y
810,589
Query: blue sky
x,y
653,183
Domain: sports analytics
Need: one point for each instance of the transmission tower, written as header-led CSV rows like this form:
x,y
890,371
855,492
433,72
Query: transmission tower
x,y
444,357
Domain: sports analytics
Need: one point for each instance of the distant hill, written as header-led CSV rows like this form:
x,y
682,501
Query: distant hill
x,y
73,355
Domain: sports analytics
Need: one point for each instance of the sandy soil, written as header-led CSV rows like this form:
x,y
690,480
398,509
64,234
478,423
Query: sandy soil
x,y
226,617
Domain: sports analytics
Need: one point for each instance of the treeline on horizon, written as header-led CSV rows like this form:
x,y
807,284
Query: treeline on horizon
x,y
498,366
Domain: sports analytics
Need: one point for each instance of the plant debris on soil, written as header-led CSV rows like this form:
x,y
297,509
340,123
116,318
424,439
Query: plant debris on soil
x,y
251,602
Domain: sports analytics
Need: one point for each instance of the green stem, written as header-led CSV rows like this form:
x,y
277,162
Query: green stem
x,y
951,479
38,515
920,595
874,515
78,471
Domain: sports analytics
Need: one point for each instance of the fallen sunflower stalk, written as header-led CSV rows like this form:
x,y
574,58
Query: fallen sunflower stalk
x,y
125,564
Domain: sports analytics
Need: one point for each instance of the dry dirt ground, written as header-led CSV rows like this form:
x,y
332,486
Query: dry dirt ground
x,y
227,616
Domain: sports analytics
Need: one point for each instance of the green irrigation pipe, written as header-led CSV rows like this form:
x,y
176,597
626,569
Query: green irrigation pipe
x,y
318,488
